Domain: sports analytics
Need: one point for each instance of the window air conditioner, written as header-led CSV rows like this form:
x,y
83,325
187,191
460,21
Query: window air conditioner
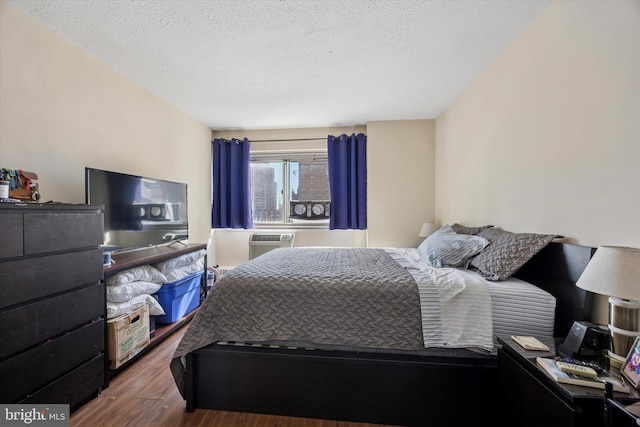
x,y
260,243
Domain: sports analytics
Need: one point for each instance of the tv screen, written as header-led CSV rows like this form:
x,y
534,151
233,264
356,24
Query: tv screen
x,y
138,211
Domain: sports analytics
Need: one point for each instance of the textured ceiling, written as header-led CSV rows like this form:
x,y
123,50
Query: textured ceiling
x,y
251,64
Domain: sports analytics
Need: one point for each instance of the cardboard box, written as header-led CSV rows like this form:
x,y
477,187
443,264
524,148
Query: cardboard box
x,y
127,335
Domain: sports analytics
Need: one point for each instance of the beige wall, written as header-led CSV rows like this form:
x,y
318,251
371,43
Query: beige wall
x,y
400,181
548,138
62,110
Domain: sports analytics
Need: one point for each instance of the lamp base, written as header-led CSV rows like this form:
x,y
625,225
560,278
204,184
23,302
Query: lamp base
x,y
624,325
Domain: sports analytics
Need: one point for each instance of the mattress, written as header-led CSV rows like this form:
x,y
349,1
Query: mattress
x,y
520,308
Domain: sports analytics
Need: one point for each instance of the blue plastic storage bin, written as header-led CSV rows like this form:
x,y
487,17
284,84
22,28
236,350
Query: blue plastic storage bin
x,y
179,298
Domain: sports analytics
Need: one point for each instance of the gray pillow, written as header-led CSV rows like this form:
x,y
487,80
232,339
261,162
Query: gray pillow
x,y
461,229
446,248
507,252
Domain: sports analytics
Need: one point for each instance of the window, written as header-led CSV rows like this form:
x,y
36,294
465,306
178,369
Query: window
x,y
289,188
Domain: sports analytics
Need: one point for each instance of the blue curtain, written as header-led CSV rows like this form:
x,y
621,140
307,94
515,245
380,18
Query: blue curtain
x,y
347,163
231,181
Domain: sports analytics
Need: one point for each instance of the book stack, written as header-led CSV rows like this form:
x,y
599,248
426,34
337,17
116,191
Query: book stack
x,y
551,368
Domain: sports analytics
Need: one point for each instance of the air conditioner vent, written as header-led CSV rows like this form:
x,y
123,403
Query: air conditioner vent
x,y
260,243
265,238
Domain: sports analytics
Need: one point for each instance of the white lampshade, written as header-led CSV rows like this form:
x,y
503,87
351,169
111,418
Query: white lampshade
x,y
427,229
613,271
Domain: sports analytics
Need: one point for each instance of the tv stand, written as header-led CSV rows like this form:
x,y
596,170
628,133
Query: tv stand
x,y
151,255
177,242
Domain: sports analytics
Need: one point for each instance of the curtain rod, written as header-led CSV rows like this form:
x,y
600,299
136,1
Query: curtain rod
x,y
282,140
292,139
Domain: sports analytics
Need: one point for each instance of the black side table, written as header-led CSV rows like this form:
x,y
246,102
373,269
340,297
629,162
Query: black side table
x,y
535,399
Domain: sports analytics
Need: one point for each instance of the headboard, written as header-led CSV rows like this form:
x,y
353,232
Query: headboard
x,y
556,269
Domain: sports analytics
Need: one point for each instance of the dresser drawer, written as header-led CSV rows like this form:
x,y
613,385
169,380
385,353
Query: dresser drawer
x,y
27,279
61,231
529,398
34,323
27,372
11,235
73,388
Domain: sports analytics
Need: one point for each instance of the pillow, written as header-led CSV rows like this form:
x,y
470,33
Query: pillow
x,y
184,271
127,291
166,267
461,229
145,272
507,252
115,309
446,248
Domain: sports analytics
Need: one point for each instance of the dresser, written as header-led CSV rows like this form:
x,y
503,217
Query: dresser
x,y
52,303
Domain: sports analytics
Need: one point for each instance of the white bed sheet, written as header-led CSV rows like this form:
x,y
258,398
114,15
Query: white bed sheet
x,y
518,307
521,308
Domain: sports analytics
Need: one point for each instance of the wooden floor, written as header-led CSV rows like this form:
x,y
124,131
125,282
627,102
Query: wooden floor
x,y
145,395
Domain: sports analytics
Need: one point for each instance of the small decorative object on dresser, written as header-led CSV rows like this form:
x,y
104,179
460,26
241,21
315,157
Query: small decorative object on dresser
x,y
21,184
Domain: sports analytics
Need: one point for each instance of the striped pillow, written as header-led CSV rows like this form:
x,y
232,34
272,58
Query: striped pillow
x,y
446,248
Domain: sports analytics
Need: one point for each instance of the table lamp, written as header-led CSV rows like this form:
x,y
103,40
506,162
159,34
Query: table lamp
x,y
615,272
427,229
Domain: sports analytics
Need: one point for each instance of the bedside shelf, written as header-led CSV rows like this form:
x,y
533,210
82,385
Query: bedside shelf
x,y
537,399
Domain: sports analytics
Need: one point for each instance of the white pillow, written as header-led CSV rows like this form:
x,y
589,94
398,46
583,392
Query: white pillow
x,y
184,271
446,248
167,266
127,291
115,309
146,273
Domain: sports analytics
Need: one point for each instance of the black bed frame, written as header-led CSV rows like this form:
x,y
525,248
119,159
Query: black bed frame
x,y
378,388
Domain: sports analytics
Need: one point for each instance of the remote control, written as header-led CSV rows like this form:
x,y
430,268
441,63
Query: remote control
x,y
582,371
593,365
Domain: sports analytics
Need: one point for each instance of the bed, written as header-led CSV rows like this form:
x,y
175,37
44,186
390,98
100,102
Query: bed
x,y
266,349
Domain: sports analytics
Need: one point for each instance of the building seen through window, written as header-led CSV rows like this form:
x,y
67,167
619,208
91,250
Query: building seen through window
x,y
277,183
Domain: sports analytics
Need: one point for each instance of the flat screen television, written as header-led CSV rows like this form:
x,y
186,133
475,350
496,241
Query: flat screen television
x,y
138,211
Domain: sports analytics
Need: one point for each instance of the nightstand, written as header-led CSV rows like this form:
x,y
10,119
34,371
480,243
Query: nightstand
x,y
535,399
619,415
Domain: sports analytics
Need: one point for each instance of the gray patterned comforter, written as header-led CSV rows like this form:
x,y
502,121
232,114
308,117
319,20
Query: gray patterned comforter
x,y
325,297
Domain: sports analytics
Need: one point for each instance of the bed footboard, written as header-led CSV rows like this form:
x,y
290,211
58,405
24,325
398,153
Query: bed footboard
x,y
364,387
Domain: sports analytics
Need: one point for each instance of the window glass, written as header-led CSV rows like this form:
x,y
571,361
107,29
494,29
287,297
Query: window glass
x,y
277,184
309,180
266,191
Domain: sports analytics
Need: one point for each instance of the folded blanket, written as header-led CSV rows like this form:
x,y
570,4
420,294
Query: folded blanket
x,y
184,271
145,273
127,291
115,309
166,267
